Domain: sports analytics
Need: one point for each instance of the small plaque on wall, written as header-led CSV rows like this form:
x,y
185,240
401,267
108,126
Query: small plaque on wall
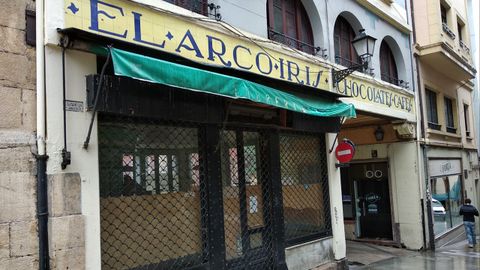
x,y
74,106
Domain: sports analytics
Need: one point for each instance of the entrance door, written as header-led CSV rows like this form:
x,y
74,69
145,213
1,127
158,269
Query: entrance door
x,y
373,202
246,201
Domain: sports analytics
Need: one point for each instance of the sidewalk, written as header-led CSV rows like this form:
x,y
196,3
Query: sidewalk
x,y
360,254
457,256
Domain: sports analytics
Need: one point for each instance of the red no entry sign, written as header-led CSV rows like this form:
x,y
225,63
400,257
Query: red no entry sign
x,y
345,151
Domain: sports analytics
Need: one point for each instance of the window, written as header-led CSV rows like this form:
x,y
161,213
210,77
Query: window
x,y
446,201
449,116
461,34
431,99
288,24
345,54
443,13
197,6
304,187
467,118
444,16
459,30
388,67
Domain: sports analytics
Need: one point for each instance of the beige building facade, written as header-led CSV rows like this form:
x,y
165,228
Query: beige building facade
x,y
447,136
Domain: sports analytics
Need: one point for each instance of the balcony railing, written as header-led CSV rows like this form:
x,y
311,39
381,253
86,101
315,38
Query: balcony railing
x,y
345,61
451,130
464,47
197,6
447,30
433,125
394,80
292,42
390,79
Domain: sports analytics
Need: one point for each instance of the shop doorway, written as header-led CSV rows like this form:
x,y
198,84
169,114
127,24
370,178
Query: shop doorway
x,y
369,184
246,200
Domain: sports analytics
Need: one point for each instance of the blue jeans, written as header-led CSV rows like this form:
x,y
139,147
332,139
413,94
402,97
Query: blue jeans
x,y
470,231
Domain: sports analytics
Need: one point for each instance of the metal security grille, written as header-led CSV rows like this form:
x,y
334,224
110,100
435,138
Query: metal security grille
x,y
152,195
304,179
166,194
246,200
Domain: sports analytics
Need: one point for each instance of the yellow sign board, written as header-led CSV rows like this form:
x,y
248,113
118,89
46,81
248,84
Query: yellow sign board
x,y
376,94
134,23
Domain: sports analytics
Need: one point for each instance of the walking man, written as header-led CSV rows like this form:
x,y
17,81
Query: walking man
x,y
469,212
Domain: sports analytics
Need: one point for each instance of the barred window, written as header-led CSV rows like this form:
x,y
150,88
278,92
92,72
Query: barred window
x,y
304,186
150,195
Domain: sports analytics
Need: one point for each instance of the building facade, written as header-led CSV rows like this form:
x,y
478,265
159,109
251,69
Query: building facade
x,y
445,70
385,168
201,134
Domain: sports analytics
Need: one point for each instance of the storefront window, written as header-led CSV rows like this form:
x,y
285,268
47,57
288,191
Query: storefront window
x,y
149,195
305,187
446,202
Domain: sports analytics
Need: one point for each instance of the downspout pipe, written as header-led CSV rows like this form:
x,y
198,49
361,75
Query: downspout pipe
x,y
41,156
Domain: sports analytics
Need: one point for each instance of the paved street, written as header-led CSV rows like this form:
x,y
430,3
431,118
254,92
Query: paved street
x,y
455,256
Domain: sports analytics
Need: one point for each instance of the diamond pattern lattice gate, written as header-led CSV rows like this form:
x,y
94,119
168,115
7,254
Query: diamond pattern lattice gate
x,y
170,200
152,198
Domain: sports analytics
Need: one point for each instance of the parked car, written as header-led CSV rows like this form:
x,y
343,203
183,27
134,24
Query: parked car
x,y
438,209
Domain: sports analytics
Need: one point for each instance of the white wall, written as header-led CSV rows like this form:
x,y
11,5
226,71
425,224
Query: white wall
x,y
406,192
85,162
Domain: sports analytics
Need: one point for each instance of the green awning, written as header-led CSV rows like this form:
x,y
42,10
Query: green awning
x,y
158,71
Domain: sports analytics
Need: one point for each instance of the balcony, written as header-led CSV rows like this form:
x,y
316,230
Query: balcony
x,y
464,47
292,42
448,31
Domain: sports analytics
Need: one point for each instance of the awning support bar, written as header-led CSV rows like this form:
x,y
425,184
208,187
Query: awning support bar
x,y
97,94
336,137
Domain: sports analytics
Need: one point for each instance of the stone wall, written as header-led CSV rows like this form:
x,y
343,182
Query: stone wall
x,y
66,225
18,222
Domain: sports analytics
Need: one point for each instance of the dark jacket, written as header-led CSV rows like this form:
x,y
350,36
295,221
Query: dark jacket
x,y
468,211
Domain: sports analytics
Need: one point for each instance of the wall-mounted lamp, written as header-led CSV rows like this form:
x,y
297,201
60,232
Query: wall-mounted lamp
x,y
364,46
379,134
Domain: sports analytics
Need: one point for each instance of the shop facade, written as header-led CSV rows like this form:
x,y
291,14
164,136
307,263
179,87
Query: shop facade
x,y
192,147
385,169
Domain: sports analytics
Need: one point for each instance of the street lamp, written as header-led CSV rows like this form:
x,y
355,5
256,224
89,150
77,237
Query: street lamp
x,y
379,133
364,46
